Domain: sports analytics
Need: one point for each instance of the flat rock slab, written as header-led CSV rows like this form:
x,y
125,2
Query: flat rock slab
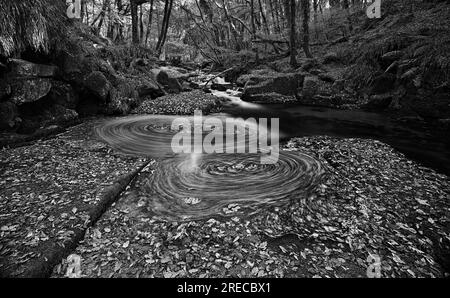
x,y
374,203
48,189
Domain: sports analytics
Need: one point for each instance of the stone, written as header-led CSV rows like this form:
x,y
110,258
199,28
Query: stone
x,y
256,76
64,95
23,68
29,90
98,85
310,86
169,82
8,115
284,84
149,88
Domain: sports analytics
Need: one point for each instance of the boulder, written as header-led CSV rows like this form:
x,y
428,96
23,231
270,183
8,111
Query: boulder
x,y
150,88
98,85
284,84
256,76
170,83
8,115
311,86
64,95
23,68
29,90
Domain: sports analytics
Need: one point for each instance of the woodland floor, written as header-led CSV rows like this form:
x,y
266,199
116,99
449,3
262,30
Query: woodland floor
x,y
397,210
48,188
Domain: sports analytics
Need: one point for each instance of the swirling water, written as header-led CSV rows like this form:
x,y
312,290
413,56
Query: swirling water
x,y
198,185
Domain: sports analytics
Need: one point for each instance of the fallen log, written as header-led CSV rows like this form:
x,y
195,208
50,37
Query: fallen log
x,y
55,253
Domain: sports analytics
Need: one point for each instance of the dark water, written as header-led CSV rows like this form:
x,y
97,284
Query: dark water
x,y
297,121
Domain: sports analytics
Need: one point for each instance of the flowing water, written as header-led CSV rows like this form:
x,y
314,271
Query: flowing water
x,y
196,185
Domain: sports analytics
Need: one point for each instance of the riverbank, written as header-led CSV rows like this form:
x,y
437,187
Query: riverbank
x,y
50,191
397,211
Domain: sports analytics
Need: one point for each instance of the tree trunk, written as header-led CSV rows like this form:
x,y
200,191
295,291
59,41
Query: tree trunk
x,y
346,6
263,17
252,17
141,24
149,24
165,26
120,25
134,22
305,44
292,33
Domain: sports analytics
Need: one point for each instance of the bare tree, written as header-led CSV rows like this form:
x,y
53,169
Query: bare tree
x,y
165,25
305,23
134,21
292,33
149,24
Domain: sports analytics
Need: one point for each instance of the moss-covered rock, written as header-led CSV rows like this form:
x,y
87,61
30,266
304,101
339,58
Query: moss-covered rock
x,y
98,84
29,90
284,84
